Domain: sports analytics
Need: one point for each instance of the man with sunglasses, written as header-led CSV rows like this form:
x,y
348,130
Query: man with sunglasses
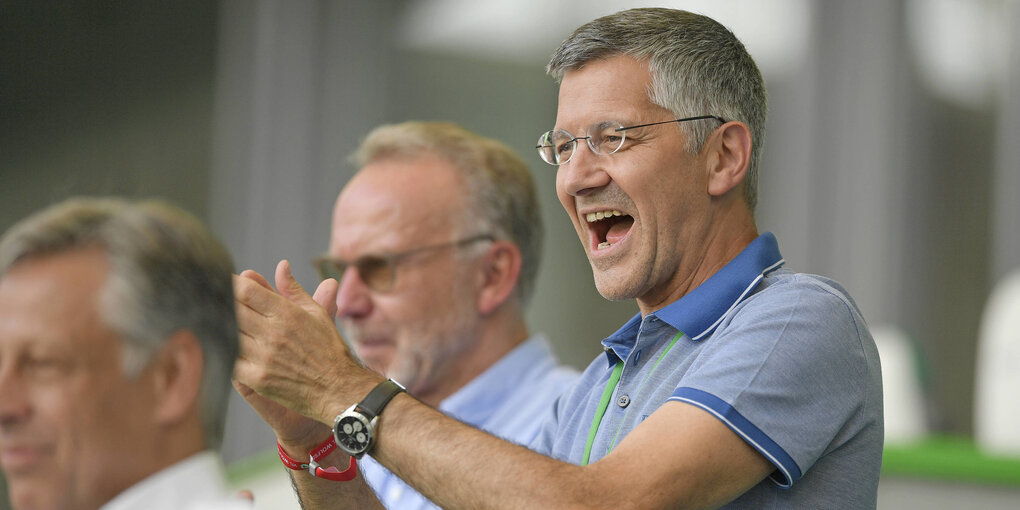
x,y
435,244
740,384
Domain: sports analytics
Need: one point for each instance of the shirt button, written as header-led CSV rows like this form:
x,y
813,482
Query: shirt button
x,y
623,401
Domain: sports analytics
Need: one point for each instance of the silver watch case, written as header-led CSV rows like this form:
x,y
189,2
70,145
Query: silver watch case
x,y
354,432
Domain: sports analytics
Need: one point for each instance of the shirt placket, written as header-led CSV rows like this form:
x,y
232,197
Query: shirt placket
x,y
650,335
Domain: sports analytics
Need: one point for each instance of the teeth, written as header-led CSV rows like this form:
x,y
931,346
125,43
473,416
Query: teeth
x,y
596,216
601,215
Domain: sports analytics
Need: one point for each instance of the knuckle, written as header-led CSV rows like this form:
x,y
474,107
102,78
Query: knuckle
x,y
243,290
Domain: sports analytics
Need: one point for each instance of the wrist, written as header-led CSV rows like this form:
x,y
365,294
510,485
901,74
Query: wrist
x,y
315,456
298,444
355,428
296,451
350,390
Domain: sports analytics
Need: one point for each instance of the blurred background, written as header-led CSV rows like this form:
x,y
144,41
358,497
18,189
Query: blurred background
x,y
892,162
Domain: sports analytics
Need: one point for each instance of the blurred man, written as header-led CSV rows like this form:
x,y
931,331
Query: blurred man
x,y
739,384
435,245
117,340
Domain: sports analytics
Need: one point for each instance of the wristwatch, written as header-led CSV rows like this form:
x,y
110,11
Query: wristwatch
x,y
354,429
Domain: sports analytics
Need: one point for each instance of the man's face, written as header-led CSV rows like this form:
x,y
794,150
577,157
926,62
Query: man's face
x,y
651,180
418,331
69,419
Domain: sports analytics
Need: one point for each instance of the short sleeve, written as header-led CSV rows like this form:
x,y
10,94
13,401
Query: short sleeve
x,y
787,371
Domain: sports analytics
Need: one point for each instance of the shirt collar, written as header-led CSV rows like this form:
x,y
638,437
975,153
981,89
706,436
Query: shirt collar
x,y
199,478
699,312
476,401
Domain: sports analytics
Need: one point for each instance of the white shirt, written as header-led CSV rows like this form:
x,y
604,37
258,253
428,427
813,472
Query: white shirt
x,y
195,483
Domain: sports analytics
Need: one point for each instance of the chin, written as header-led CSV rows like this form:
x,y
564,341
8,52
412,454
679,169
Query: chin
x,y
28,499
613,289
410,378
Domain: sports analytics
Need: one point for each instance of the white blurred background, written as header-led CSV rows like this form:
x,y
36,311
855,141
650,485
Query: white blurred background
x,y
892,162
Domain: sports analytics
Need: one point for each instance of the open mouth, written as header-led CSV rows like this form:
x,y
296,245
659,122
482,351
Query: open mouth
x,y
608,227
375,354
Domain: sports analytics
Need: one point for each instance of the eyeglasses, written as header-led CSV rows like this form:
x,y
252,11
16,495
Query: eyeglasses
x,y
606,137
379,272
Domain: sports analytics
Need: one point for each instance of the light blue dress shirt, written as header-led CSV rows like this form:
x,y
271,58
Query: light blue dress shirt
x,y
508,400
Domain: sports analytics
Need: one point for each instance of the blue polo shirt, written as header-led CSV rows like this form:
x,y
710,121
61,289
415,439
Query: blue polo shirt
x,y
784,359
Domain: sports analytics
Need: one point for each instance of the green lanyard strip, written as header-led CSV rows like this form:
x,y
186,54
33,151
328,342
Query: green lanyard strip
x,y
608,393
601,411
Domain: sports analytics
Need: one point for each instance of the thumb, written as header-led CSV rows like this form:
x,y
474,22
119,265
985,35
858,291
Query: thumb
x,y
325,295
288,287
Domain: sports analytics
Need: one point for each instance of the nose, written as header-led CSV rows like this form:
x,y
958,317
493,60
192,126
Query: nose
x,y
584,173
14,397
353,298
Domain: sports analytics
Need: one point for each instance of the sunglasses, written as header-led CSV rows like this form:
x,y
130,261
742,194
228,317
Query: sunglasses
x,y
379,271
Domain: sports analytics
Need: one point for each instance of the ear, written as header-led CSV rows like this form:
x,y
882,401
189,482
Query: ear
x,y
500,267
177,378
729,158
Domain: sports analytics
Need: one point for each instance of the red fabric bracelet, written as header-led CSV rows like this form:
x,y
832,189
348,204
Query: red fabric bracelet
x,y
313,467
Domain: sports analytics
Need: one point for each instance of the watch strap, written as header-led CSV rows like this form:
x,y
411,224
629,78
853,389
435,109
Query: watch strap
x,y
376,400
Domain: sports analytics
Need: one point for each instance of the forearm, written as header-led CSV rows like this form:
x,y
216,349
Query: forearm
x,y
459,467
317,493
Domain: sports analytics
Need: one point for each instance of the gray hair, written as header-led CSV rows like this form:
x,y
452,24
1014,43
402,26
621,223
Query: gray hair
x,y
167,273
501,192
698,67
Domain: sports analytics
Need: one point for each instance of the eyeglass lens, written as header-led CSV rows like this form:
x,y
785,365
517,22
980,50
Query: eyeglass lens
x,y
376,272
557,146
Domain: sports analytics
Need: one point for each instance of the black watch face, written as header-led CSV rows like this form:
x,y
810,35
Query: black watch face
x,y
352,435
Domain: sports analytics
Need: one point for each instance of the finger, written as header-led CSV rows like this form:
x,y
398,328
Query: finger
x,y
293,291
325,295
251,294
252,350
241,388
249,375
256,277
242,375
251,396
287,285
249,322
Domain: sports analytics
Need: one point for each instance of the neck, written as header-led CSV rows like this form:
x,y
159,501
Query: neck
x,y
498,334
176,443
722,240
164,447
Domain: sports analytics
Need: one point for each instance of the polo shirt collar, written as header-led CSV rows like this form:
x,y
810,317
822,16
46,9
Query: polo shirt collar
x,y
701,310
